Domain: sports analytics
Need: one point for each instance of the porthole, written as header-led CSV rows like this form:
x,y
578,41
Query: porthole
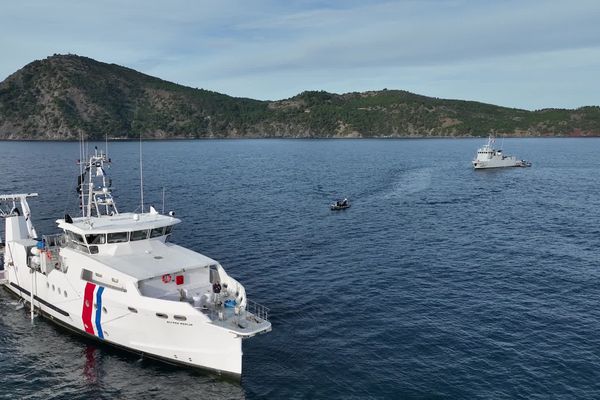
x,y
104,310
180,317
47,285
53,288
115,280
58,290
133,310
65,293
161,315
95,306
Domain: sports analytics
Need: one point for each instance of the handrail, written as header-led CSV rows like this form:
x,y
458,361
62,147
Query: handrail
x,y
260,312
55,240
257,310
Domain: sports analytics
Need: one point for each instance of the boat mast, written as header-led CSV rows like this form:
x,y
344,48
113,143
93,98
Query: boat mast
x,y
141,176
90,188
80,180
99,186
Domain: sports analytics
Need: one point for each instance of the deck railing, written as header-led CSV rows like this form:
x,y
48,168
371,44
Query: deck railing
x,y
257,309
56,240
219,312
51,259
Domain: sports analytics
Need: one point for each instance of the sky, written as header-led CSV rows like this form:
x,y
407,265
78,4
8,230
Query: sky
x,y
529,54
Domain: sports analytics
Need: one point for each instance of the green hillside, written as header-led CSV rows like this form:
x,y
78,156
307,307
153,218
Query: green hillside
x,y
66,95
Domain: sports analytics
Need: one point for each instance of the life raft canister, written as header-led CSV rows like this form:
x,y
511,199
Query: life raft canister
x,y
166,278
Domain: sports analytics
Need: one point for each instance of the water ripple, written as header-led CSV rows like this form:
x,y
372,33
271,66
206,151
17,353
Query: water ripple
x,y
439,282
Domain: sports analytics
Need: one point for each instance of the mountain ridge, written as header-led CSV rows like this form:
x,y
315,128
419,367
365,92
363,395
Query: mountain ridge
x,y
65,96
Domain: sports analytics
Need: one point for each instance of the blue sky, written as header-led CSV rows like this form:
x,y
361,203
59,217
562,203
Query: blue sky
x,y
528,54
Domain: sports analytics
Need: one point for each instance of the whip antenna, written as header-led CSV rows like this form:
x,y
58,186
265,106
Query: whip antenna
x,y
141,175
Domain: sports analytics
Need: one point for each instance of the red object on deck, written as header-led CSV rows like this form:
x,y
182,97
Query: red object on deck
x,y
179,279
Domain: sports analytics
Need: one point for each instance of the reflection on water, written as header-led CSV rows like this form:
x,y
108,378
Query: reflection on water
x,y
89,370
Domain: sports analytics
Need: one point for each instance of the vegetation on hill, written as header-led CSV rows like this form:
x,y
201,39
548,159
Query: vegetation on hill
x,y
64,96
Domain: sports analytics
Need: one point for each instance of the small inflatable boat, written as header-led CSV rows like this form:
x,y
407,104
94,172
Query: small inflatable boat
x,y
340,205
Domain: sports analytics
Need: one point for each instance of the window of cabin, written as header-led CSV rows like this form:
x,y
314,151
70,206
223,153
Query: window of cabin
x,y
117,237
75,237
168,229
96,278
156,232
139,235
96,239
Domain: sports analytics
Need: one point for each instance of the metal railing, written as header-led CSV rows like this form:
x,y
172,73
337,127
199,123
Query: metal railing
x,y
219,312
56,240
257,309
51,257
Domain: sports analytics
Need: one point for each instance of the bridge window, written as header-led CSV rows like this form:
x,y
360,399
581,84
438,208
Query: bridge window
x,y
75,237
96,239
117,237
156,232
139,235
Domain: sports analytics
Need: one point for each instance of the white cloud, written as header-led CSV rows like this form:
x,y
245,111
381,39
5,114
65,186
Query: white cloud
x,y
270,49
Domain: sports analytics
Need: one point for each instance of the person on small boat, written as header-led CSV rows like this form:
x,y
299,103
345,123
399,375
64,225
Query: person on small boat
x,y
341,204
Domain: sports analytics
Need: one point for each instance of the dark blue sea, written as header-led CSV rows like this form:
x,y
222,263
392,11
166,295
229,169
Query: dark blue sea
x,y
439,281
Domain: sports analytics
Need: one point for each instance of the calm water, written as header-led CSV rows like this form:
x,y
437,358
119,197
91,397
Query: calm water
x,y
439,282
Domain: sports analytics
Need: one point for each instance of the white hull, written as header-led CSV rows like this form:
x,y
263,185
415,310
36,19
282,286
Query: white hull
x,y
497,164
195,342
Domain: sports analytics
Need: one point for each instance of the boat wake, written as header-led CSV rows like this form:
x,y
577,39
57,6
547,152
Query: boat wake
x,y
409,182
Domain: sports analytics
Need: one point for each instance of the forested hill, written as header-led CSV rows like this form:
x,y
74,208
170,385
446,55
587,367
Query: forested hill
x,y
66,95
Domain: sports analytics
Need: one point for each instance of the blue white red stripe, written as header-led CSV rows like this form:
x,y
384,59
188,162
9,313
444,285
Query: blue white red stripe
x,y
88,310
99,312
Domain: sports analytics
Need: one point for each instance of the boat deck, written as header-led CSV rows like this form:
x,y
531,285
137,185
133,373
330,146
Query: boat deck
x,y
146,259
247,323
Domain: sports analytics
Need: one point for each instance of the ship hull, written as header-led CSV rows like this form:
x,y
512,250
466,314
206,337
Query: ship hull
x,y
495,166
197,344
498,164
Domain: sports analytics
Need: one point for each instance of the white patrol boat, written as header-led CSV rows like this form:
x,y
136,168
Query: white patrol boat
x,y
116,277
488,157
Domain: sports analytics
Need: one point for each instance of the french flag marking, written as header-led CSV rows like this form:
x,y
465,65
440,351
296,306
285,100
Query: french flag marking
x,y
99,312
88,308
